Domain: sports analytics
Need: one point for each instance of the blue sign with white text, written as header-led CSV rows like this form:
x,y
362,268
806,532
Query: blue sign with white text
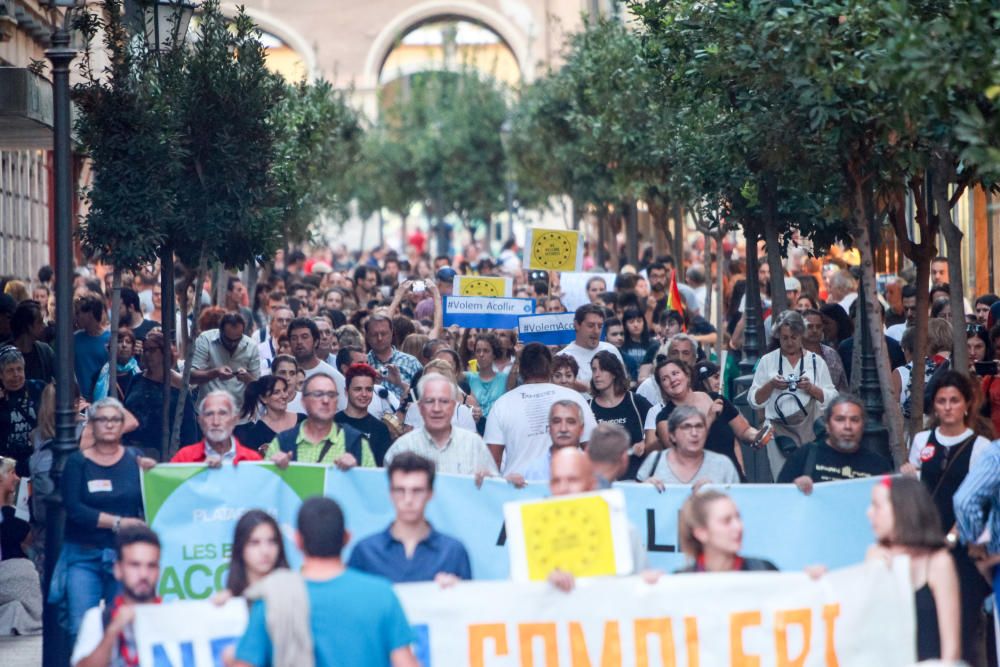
x,y
485,312
547,328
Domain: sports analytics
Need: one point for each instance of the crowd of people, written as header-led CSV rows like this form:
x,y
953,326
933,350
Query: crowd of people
x,y
347,361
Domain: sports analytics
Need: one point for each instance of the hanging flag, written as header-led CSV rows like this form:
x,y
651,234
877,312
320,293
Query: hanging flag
x,y
674,301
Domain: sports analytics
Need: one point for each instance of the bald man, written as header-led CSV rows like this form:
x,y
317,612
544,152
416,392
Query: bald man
x,y
572,472
608,453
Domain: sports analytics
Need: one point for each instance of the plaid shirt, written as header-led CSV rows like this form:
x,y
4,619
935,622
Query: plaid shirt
x,y
408,367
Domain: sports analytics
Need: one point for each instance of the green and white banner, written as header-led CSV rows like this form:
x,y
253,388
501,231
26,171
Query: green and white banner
x,y
194,510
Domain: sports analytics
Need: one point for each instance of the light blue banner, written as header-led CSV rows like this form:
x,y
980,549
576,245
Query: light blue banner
x,y
547,328
485,312
458,508
781,524
195,509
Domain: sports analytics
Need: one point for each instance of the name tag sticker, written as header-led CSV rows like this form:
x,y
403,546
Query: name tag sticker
x,y
99,485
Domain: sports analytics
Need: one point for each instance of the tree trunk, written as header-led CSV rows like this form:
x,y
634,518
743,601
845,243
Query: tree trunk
x,y
600,256
116,307
402,234
921,255
677,247
632,233
720,316
956,288
175,433
917,379
769,202
862,237
221,280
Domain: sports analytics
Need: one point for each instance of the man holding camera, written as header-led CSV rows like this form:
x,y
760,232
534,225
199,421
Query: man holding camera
x,y
791,385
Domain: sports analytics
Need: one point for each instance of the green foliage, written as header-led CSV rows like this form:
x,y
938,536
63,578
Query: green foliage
x,y
124,127
726,71
226,101
202,147
439,145
321,143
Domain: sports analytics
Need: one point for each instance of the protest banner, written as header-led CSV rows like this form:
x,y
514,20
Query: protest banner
x,y
781,524
547,328
553,249
483,286
697,619
196,521
586,535
189,633
364,496
194,510
483,312
573,285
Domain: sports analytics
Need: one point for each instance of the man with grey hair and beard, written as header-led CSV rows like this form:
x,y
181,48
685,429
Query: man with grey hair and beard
x,y
840,455
566,423
217,416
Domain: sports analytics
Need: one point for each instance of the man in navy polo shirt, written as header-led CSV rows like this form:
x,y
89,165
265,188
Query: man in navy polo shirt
x,y
410,549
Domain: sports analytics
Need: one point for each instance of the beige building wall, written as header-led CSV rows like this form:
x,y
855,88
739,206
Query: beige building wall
x,y
347,41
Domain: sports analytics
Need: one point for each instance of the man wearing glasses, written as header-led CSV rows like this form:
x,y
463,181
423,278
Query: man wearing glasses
x,y
410,549
457,451
225,358
318,439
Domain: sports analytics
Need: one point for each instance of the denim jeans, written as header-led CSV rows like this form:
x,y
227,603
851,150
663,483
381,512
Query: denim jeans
x,y
89,578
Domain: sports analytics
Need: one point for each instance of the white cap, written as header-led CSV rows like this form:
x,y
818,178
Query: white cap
x,y
792,284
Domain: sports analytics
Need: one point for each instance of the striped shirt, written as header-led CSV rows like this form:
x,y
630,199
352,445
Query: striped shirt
x,y
981,488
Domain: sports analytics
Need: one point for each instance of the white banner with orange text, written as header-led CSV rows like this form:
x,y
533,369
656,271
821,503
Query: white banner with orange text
x,y
860,615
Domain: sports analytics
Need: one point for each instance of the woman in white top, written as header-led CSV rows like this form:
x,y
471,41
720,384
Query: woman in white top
x,y
943,456
687,462
792,385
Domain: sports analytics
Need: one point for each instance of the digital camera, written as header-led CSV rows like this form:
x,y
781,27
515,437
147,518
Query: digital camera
x,y
793,381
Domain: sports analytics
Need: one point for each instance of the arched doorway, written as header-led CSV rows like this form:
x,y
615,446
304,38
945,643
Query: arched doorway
x,y
446,44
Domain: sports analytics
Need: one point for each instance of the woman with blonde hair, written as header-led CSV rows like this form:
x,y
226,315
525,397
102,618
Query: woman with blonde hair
x,y
711,536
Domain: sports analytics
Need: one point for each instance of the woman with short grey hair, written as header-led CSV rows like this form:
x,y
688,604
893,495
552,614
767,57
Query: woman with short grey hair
x,y
791,385
687,461
20,399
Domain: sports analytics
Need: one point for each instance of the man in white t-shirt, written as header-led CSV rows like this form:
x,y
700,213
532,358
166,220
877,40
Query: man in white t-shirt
x,y
589,323
106,637
517,429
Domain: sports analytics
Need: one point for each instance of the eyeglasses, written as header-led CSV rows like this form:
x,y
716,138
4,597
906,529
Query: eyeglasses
x,y
332,395
436,401
107,420
691,427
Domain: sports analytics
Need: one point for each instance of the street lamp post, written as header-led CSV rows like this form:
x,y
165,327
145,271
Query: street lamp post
x,y
54,653
876,435
61,54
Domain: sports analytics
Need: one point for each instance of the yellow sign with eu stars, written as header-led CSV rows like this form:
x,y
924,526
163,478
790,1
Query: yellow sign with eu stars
x,y
483,286
554,249
586,535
